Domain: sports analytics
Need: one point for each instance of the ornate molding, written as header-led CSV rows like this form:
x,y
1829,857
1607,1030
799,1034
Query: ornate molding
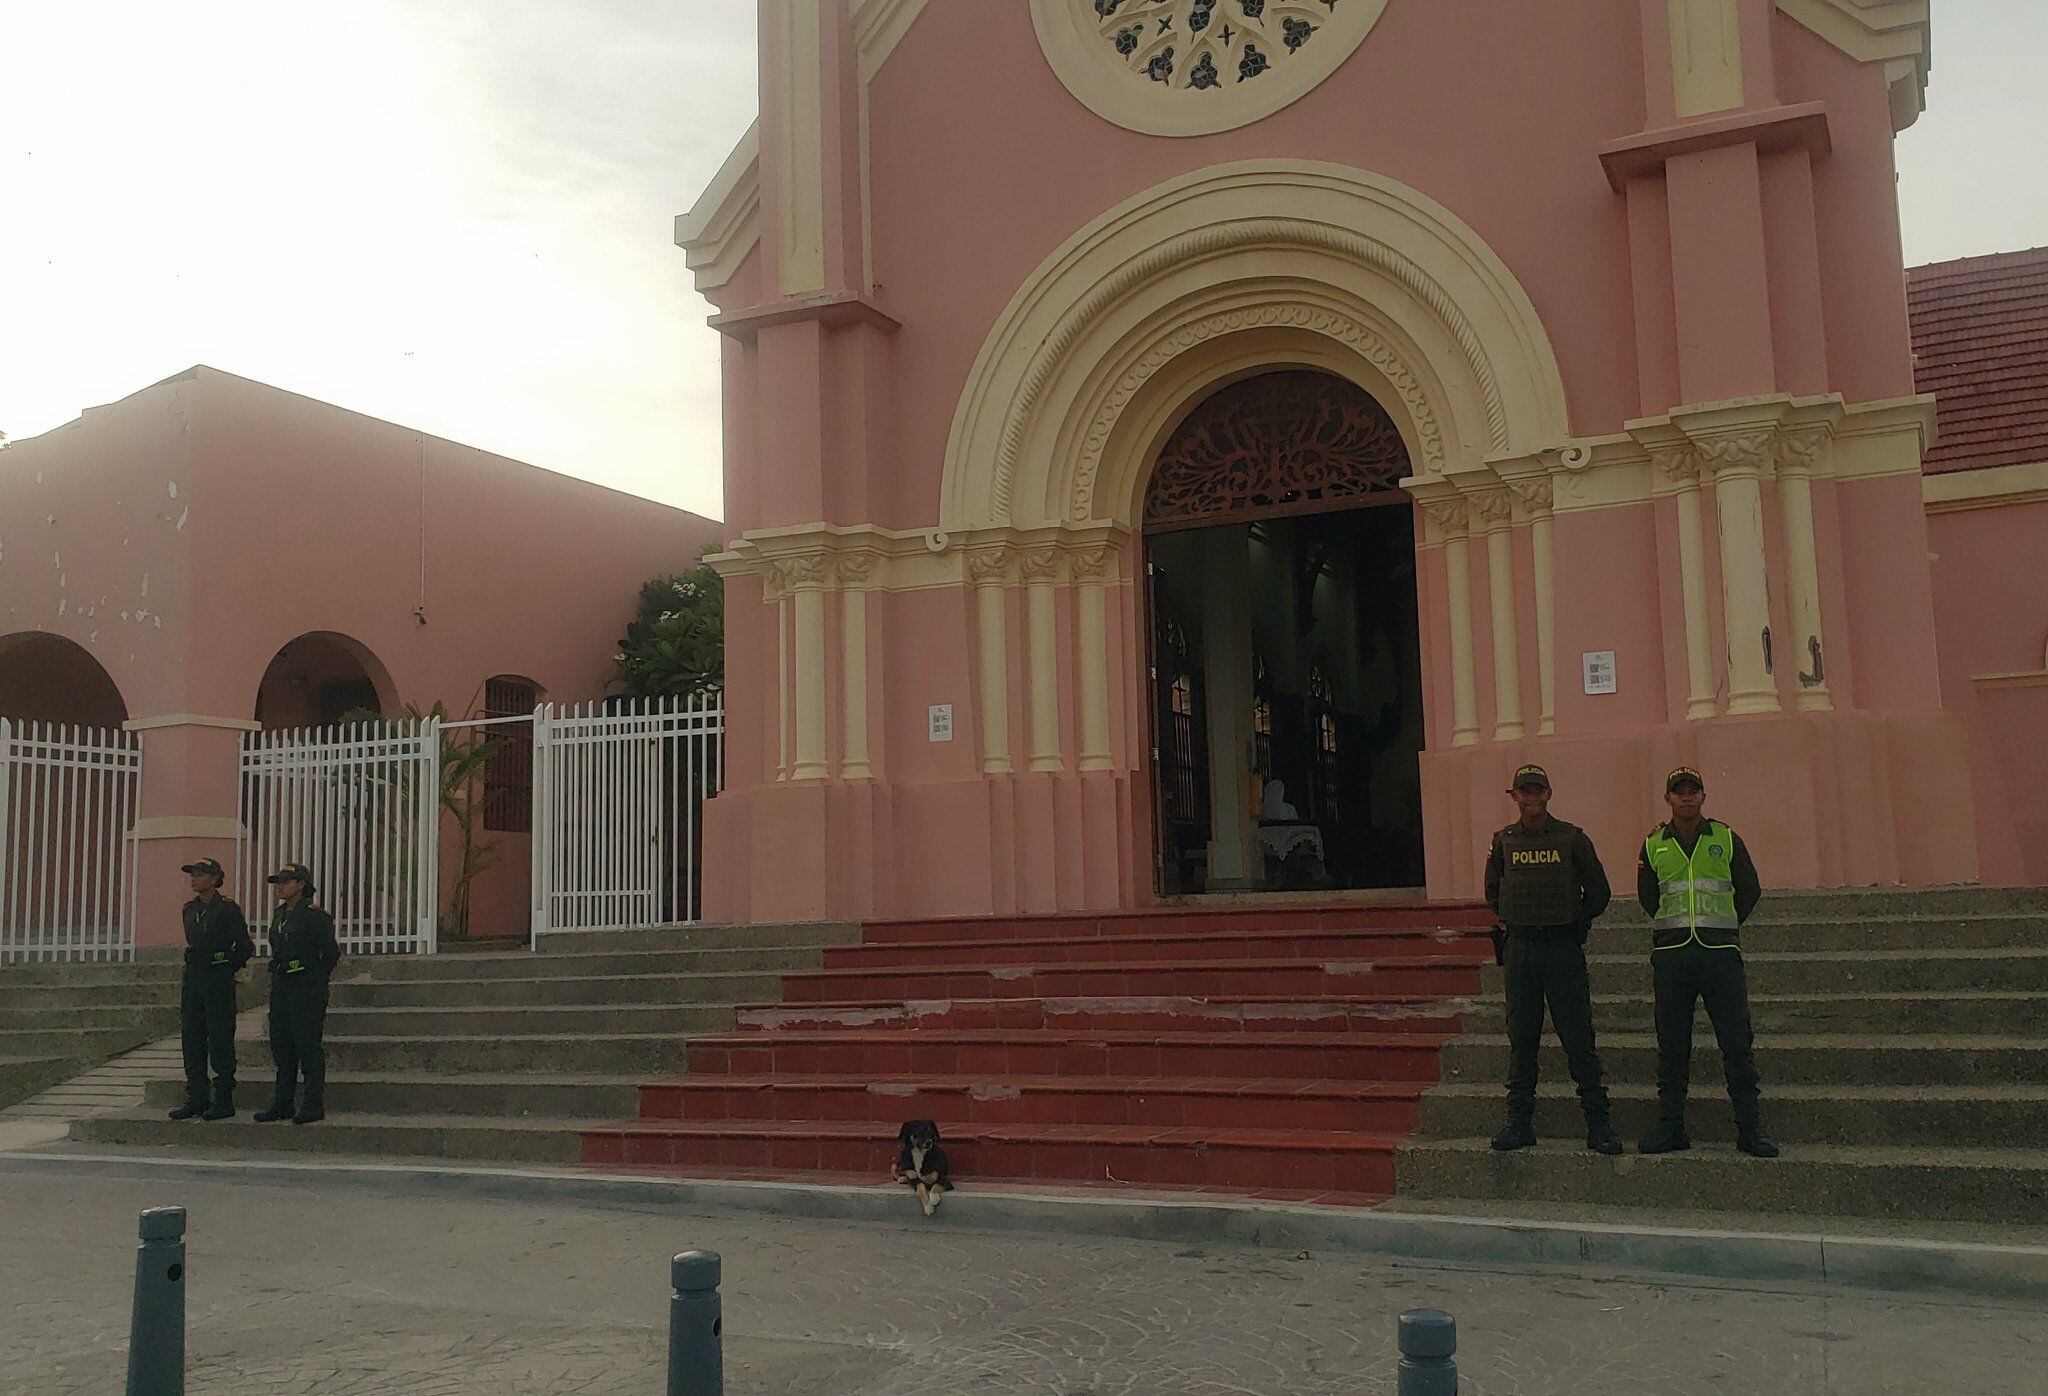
x,y
1494,506
990,567
1344,329
865,557
1040,566
1535,493
1447,515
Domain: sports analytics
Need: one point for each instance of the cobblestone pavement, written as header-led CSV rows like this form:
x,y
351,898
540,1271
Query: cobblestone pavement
x,y
347,1286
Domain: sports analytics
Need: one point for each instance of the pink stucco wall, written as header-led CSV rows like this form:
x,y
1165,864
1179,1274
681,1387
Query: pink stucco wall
x,y
184,534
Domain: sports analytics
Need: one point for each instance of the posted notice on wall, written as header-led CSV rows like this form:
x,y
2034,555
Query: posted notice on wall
x,y
1598,666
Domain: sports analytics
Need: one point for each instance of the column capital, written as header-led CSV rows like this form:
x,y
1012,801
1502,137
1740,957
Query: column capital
x,y
1494,507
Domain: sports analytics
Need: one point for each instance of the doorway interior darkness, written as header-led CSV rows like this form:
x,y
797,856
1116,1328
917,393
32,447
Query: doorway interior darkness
x,y
1287,677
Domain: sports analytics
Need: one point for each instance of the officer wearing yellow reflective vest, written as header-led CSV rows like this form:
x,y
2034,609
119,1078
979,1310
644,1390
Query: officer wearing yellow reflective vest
x,y
1545,883
1696,880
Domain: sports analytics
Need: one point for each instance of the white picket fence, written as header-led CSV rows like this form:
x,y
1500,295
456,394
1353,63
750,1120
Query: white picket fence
x,y
68,802
360,806
618,794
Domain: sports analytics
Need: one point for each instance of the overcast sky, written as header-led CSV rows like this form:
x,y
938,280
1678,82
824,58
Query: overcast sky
x,y
456,214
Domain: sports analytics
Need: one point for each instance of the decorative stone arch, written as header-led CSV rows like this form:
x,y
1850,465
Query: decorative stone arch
x,y
1362,276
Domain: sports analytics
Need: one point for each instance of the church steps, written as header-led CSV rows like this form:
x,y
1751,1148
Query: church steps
x,y
1615,936
1925,1183
1144,1155
566,991
1173,921
527,1020
563,1096
1878,971
690,937
1972,1012
1786,1058
1326,1013
1978,1116
1266,944
525,1139
1439,975
524,964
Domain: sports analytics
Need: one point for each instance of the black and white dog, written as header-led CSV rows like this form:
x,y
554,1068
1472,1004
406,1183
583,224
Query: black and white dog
x,y
922,1163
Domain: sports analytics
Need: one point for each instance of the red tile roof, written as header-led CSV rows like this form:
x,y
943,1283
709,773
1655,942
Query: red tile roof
x,y
1980,337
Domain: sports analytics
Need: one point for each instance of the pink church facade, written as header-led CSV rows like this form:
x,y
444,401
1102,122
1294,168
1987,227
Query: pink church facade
x,y
211,556
1618,281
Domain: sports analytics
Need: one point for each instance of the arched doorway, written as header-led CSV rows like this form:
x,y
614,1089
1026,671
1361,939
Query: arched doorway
x,y
47,678
1287,676
318,679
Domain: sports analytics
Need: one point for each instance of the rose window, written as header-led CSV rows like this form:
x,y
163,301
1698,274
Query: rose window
x,y
1207,45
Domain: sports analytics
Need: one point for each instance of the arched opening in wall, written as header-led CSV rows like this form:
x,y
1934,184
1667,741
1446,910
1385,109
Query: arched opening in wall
x,y
508,763
318,679
1287,673
47,678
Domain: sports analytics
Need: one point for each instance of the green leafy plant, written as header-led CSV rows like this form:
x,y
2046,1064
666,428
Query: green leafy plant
x,y
676,643
463,758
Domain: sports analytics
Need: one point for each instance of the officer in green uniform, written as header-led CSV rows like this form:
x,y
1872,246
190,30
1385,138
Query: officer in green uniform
x,y
1545,883
303,954
217,945
1696,880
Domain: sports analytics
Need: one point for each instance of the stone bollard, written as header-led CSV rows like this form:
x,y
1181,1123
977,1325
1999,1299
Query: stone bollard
x,y
696,1350
1428,1341
156,1327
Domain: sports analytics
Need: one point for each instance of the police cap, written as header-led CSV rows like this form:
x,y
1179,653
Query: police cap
x,y
1680,776
1530,775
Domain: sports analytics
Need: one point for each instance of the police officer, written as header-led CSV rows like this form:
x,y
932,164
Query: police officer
x,y
1696,880
1545,883
303,954
217,945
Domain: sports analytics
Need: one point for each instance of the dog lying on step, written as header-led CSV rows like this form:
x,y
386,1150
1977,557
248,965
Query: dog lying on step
x,y
922,1163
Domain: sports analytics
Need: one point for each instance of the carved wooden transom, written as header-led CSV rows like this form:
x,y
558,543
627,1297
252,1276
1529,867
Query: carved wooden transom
x,y
1291,442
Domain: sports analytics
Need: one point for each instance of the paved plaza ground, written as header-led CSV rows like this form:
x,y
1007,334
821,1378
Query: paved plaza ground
x,y
340,1286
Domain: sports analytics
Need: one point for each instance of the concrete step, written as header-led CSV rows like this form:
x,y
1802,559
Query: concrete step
x,y
1121,1013
529,1020
1862,903
1904,1116
84,1045
1810,1059
598,1054
97,1017
496,1097
1221,1158
1173,920
997,1053
695,937
1433,976
1964,1185
581,964
22,1077
2014,930
1896,1014
1190,947
1353,1106
90,973
526,1140
749,987
1880,971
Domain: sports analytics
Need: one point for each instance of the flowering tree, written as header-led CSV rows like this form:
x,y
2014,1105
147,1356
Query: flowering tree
x,y
676,644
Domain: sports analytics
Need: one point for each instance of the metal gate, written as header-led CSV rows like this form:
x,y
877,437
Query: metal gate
x,y
618,790
360,806
68,801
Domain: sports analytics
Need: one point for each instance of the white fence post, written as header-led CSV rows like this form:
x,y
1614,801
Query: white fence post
x,y
68,801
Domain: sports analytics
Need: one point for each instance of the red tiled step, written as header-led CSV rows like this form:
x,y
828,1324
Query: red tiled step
x,y
1352,1056
1446,976
1383,1013
1262,944
1141,1154
1180,921
1367,1107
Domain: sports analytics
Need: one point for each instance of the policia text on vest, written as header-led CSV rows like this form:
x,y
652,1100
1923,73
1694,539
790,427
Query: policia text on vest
x,y
1545,883
1695,879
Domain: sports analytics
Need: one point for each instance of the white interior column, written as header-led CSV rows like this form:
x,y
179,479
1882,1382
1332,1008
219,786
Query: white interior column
x,y
1041,580
989,572
1227,689
1797,452
1737,461
1496,514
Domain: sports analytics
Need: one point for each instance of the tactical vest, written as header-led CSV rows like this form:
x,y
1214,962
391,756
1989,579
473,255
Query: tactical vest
x,y
1539,883
1696,895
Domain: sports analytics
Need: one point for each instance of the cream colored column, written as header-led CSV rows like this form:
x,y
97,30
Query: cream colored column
x,y
1450,519
1680,465
989,572
1041,569
1797,452
781,676
1091,639
853,642
1706,56
1534,492
807,585
1496,514
1737,460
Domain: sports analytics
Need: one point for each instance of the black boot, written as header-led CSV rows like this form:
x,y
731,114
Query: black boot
x,y
1518,1133
1600,1136
223,1107
280,1108
311,1108
1751,1140
1667,1138
194,1105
